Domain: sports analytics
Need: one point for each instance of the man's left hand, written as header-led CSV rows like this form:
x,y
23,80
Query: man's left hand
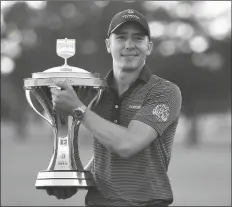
x,y
65,99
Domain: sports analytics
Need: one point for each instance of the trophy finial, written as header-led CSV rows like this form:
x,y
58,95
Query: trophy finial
x,y
65,48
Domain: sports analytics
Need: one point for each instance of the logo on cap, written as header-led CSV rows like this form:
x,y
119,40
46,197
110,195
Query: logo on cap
x,y
130,15
130,11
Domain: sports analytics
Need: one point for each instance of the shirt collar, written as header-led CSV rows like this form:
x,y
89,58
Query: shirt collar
x,y
145,75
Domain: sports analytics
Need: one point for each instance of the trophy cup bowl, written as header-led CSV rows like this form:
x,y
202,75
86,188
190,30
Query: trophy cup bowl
x,y
65,168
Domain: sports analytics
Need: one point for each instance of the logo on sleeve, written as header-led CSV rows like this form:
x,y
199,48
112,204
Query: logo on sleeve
x,y
161,111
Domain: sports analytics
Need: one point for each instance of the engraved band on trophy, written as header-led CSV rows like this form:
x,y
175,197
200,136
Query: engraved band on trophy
x,y
65,167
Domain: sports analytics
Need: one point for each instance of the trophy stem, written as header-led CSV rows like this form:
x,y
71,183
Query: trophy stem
x,y
65,62
54,154
75,149
66,154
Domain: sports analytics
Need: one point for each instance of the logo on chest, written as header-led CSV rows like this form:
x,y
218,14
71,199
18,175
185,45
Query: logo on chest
x,y
132,106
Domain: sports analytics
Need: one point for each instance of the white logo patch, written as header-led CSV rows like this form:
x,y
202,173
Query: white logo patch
x,y
130,11
161,111
135,106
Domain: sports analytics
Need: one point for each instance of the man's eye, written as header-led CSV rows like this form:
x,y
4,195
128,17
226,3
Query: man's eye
x,y
139,38
120,37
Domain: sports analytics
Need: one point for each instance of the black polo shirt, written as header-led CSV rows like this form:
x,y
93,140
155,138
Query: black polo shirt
x,y
141,179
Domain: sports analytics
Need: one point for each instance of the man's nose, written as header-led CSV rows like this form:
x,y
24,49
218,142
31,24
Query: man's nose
x,y
129,44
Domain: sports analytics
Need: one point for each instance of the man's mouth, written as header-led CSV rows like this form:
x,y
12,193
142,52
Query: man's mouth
x,y
129,55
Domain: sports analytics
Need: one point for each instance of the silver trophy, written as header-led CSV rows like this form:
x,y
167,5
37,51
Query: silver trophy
x,y
65,168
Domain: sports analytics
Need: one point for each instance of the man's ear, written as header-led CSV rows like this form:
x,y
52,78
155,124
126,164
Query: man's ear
x,y
107,41
149,47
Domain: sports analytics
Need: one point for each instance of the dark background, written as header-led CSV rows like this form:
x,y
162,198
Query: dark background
x,y
192,48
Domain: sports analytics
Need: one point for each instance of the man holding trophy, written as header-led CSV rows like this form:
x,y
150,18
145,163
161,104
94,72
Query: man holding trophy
x,y
133,124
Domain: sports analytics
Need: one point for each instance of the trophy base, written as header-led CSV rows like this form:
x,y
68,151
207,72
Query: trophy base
x,y
64,178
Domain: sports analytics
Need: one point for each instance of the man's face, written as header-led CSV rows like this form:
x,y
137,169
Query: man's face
x,y
129,46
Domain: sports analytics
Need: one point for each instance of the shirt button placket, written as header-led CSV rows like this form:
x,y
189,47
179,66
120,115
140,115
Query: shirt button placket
x,y
116,113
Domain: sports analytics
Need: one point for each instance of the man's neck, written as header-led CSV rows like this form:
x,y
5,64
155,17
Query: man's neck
x,y
123,78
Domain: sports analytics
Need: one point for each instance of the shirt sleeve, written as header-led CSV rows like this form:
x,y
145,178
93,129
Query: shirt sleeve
x,y
161,107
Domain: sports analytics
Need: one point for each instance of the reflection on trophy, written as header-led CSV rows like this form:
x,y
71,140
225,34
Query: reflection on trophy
x,y
65,168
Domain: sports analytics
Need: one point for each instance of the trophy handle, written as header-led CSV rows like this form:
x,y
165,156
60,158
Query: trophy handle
x,y
28,96
96,99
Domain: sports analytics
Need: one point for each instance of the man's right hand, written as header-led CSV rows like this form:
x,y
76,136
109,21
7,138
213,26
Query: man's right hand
x,y
62,192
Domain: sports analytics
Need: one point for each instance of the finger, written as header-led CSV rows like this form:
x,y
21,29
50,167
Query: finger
x,y
59,193
54,91
59,96
70,192
67,193
63,193
49,191
73,190
53,98
63,85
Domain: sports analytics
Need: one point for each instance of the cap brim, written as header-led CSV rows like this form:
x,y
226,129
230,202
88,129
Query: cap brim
x,y
113,30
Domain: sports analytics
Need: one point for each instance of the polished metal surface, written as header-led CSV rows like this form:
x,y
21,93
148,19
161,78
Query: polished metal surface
x,y
73,76
77,179
43,184
63,174
93,82
65,167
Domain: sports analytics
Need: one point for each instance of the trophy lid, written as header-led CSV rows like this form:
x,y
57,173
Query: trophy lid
x,y
65,72
72,75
